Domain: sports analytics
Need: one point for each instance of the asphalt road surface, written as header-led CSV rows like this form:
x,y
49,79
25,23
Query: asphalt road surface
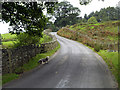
x,y
73,66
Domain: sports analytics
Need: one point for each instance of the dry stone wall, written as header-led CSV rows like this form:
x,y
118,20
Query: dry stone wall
x,y
13,58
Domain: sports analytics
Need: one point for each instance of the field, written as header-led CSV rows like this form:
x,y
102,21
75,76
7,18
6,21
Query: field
x,y
8,37
101,37
10,40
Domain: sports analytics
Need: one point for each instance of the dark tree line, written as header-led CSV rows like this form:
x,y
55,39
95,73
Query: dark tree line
x,y
105,14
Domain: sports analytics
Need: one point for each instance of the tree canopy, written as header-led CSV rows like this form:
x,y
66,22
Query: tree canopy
x,y
26,16
65,14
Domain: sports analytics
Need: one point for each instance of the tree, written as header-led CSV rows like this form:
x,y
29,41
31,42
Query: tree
x,y
105,14
65,14
85,19
92,20
85,2
50,25
26,16
90,15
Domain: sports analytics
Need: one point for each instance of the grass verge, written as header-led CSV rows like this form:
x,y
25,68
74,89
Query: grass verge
x,y
8,77
29,66
111,59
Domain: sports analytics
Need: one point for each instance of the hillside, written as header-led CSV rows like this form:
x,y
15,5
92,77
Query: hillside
x,y
104,35
100,37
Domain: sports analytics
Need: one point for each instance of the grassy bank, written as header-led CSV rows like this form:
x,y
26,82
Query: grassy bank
x,y
29,66
111,58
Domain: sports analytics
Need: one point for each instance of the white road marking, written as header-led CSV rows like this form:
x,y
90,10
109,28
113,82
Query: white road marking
x,y
63,83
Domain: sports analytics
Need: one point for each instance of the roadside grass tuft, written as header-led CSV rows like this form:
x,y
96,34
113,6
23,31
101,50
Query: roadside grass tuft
x,y
8,77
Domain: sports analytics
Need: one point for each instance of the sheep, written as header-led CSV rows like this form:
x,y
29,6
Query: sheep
x,y
44,60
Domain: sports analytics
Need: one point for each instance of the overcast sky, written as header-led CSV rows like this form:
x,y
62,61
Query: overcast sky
x,y
95,5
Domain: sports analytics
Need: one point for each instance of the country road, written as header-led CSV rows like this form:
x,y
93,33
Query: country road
x,y
73,66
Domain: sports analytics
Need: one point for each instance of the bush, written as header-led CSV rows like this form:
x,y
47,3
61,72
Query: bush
x,y
26,39
52,27
92,20
19,70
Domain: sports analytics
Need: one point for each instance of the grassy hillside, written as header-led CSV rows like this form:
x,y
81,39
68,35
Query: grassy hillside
x,y
102,37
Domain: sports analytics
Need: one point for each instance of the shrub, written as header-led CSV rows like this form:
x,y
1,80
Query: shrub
x,y
92,20
26,39
19,70
45,39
